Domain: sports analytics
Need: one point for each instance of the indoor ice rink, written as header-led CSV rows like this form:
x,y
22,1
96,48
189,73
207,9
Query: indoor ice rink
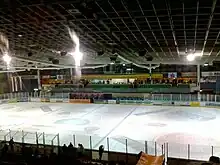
x,y
110,125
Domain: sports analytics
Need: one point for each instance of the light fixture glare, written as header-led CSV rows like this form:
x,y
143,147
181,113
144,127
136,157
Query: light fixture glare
x,y
190,57
7,58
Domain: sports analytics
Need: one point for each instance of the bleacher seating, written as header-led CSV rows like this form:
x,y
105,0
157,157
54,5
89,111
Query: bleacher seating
x,y
30,154
124,88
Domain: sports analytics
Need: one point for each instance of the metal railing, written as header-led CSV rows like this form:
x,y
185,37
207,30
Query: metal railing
x,y
184,97
55,135
162,97
115,144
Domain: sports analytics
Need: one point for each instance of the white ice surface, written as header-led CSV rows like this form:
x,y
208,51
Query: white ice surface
x,y
112,124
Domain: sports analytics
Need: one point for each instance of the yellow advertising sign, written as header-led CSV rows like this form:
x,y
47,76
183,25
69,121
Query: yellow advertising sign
x,y
195,104
156,75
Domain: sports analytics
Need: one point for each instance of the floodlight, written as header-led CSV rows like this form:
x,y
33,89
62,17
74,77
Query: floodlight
x,y
206,64
7,58
190,57
77,55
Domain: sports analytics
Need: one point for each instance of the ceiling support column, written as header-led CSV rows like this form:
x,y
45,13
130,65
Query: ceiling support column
x,y
198,81
38,79
71,73
150,71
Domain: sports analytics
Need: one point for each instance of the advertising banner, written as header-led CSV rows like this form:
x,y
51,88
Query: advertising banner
x,y
45,100
59,100
46,77
12,101
4,101
157,103
181,103
211,74
122,101
172,75
81,101
202,104
162,103
148,102
35,99
146,159
212,104
132,102
111,101
23,99
139,101
101,101
53,100
29,77
127,101
131,76
156,75
194,104
66,100
188,74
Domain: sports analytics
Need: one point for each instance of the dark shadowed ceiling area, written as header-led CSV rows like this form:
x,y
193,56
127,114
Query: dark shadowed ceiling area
x,y
138,31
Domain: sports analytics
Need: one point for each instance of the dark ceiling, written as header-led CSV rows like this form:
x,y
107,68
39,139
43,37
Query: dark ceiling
x,y
166,29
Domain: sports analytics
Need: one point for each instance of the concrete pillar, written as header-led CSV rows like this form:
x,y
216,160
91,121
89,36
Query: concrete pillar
x,y
38,79
71,73
198,81
12,84
198,76
111,68
150,71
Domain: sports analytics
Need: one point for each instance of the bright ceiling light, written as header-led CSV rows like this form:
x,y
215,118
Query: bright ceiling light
x,y
190,57
77,55
35,89
7,59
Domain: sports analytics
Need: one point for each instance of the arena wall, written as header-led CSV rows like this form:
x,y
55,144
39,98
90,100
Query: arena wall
x,y
132,101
